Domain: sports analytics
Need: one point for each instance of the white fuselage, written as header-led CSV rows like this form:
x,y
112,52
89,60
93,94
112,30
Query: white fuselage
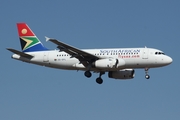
x,y
130,57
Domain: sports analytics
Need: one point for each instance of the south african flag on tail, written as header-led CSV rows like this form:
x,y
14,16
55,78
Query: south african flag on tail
x,y
29,41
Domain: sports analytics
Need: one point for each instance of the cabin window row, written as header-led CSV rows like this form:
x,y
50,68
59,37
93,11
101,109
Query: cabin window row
x,y
102,54
117,54
63,55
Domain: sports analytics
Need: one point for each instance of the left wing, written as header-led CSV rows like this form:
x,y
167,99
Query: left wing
x,y
84,57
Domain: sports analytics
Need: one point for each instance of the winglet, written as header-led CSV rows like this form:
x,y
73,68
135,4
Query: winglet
x,y
47,39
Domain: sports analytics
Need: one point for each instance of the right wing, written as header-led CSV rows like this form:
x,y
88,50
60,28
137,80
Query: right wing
x,y
84,57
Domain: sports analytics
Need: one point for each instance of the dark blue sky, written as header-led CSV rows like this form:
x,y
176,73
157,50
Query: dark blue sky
x,y
30,92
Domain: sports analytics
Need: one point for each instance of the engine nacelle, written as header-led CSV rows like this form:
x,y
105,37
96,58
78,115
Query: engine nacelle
x,y
109,63
122,74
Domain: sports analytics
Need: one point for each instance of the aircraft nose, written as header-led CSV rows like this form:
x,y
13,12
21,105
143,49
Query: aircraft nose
x,y
169,60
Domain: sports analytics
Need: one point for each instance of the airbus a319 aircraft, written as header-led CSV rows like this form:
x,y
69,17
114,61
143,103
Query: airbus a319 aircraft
x,y
119,63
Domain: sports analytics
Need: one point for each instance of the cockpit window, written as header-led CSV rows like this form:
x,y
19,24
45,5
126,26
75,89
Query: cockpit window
x,y
159,53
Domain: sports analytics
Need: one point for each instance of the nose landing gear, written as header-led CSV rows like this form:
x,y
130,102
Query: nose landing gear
x,y
146,72
147,76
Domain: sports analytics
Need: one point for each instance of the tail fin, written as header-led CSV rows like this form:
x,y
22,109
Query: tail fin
x,y
29,41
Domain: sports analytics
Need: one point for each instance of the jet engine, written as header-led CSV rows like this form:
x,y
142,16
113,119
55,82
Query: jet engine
x,y
108,63
122,74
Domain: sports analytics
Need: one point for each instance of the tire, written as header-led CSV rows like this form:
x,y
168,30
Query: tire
x,y
99,80
88,74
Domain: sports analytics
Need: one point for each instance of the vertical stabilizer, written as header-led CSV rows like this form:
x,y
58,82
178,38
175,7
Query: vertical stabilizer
x,y
29,41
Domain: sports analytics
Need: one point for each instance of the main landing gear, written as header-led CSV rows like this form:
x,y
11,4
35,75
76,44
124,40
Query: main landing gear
x,y
99,80
88,74
146,71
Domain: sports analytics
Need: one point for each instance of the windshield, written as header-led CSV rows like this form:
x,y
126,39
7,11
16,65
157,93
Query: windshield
x,y
159,53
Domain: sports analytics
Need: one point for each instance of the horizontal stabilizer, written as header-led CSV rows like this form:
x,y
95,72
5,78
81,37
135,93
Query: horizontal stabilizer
x,y
20,53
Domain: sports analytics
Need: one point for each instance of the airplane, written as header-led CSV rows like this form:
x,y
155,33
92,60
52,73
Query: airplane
x,y
119,63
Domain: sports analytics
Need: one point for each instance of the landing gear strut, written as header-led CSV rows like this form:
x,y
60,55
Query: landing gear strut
x,y
146,71
99,80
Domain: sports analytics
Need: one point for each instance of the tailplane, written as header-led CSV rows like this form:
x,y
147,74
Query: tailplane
x,y
29,41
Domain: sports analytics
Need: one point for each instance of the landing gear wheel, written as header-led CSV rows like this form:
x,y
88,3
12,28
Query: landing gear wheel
x,y
99,80
147,76
88,74
146,72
